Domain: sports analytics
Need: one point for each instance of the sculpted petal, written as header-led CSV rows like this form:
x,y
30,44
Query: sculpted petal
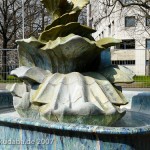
x,y
57,8
118,74
107,42
64,19
64,30
31,74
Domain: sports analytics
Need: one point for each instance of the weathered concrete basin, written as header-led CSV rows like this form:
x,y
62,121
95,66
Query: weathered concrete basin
x,y
132,132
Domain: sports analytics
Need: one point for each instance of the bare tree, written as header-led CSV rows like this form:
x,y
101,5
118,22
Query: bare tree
x,y
11,24
36,18
108,10
83,17
107,7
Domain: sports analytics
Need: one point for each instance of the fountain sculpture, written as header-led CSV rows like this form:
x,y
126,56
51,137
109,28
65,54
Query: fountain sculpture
x,y
63,77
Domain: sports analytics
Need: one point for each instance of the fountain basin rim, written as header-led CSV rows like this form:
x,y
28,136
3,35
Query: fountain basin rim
x,y
13,121
4,91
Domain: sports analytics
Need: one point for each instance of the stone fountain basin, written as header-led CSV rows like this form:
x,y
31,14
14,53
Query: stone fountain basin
x,y
132,132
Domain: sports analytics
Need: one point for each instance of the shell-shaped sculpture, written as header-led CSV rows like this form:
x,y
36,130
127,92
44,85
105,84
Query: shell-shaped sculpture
x,y
64,19
63,96
31,75
64,30
118,74
62,74
70,97
58,8
63,55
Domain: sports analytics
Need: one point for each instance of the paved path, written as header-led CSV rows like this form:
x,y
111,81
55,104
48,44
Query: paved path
x,y
136,89
2,86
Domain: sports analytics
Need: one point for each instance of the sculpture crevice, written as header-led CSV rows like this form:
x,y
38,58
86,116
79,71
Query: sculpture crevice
x,y
63,80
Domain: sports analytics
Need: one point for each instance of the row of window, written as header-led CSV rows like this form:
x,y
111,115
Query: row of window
x,y
130,21
126,62
126,44
130,44
123,62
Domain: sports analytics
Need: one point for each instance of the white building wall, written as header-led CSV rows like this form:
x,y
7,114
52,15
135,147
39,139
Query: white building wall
x,y
118,30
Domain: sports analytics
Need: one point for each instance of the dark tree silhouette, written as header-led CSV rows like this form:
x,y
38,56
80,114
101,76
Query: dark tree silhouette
x,y
11,24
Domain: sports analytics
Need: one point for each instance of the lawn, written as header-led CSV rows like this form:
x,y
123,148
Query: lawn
x,y
140,81
10,79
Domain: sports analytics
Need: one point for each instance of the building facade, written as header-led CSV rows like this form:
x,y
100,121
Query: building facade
x,y
128,24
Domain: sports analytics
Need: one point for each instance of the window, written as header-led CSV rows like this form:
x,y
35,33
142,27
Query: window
x,y
147,21
126,44
94,26
130,21
113,27
129,1
109,29
123,62
102,34
148,43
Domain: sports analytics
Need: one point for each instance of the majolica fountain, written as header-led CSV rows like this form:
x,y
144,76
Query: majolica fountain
x,y
67,96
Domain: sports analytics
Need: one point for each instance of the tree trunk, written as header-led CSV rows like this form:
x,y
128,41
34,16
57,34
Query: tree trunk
x,y
4,61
